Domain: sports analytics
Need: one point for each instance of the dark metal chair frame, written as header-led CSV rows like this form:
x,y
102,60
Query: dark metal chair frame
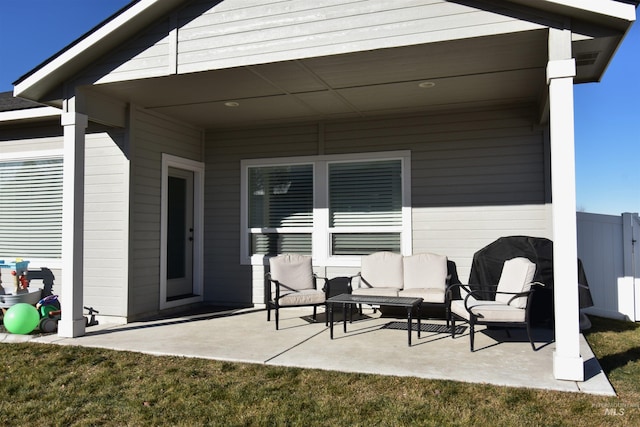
x,y
272,303
478,320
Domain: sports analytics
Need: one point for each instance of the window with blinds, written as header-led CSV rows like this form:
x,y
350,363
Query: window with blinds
x,y
365,195
31,208
333,207
280,204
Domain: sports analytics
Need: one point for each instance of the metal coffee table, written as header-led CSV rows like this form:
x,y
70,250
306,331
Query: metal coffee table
x,y
347,300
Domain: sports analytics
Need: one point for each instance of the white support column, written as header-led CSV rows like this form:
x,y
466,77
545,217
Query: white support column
x,y
567,361
72,322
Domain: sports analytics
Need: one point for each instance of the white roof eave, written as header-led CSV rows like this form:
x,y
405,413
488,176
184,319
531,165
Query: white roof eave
x,y
28,114
615,13
54,72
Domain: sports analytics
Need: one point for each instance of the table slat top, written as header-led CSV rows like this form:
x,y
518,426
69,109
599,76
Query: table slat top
x,y
375,299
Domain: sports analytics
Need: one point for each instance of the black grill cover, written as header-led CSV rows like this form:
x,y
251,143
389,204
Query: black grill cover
x,y
487,267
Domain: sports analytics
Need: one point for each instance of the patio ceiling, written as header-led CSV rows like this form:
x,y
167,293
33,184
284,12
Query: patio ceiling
x,y
506,69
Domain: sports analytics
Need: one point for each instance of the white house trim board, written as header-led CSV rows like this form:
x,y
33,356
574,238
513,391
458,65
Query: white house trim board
x,y
72,322
605,12
29,114
567,362
197,168
615,9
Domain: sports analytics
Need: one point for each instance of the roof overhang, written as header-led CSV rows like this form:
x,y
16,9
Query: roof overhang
x,y
46,82
51,75
30,114
617,14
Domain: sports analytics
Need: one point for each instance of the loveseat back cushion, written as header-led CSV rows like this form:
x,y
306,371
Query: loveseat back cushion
x,y
293,271
517,275
425,271
381,269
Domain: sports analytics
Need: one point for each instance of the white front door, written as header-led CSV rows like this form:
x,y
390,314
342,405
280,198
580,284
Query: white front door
x,y
181,242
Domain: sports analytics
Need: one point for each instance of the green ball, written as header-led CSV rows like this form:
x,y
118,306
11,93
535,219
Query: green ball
x,y
21,318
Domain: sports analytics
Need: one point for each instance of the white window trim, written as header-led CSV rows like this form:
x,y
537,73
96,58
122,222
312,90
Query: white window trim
x,y
320,232
34,263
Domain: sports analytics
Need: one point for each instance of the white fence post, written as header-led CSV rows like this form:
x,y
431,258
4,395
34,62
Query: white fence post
x,y
628,286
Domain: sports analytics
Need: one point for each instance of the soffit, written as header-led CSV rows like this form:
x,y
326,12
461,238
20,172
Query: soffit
x,y
505,69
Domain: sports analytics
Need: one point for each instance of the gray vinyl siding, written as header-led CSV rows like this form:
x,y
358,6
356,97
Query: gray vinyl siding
x,y
226,281
146,56
476,176
151,135
236,33
212,35
106,224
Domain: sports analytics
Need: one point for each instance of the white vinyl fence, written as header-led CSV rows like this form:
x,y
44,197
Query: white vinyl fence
x,y
608,248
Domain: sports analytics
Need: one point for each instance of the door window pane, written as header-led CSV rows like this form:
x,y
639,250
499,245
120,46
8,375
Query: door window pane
x,y
176,227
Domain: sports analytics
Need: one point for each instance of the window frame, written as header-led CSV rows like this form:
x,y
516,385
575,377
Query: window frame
x,y
38,155
320,231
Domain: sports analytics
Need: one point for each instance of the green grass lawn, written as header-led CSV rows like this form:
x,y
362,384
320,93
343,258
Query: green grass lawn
x,y
45,385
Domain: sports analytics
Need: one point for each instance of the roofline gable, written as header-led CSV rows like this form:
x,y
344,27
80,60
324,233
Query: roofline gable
x,y
134,17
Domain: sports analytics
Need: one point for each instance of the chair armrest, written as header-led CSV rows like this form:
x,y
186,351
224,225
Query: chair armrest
x,y
269,282
450,289
527,294
315,280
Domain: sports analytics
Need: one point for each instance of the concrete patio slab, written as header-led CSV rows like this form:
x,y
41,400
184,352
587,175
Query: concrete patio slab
x,y
372,345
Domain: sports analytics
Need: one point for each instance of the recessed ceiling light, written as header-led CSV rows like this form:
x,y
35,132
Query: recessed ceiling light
x,y
426,85
231,104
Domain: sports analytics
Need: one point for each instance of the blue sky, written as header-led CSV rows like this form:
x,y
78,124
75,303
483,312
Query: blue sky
x,y
607,114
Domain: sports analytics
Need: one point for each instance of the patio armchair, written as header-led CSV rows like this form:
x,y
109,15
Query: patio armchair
x,y
508,307
292,283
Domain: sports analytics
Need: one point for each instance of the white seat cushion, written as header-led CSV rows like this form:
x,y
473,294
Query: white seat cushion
x,y
517,275
425,271
381,270
303,297
488,311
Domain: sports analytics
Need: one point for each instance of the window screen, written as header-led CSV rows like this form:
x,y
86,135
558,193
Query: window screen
x,y
31,208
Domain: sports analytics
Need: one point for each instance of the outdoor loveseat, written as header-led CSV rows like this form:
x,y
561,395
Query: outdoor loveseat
x,y
424,275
